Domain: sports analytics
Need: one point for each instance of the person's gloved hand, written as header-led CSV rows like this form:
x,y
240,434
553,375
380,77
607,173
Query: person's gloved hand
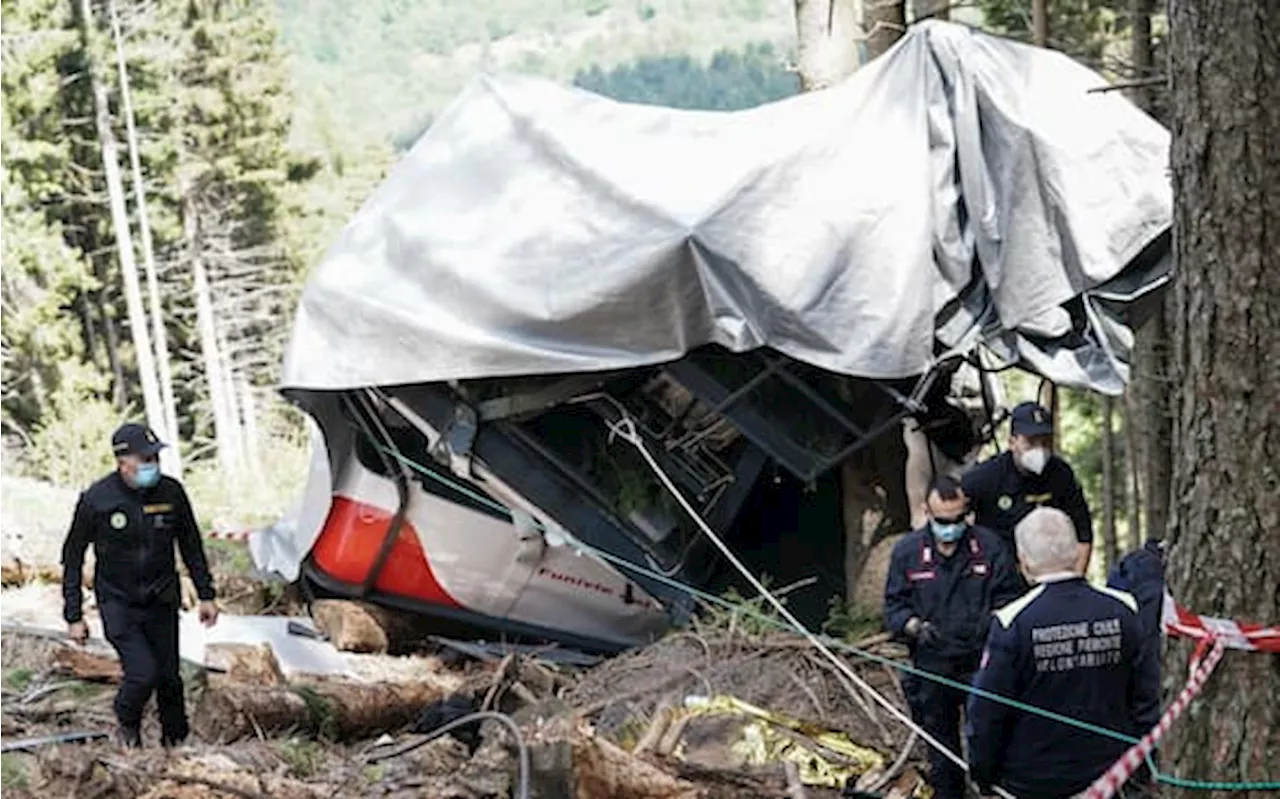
x,y
928,635
924,632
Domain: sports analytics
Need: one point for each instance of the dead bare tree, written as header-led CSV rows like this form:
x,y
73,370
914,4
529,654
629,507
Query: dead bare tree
x,y
120,225
171,456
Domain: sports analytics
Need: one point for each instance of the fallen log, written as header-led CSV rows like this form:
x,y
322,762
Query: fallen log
x,y
88,666
231,710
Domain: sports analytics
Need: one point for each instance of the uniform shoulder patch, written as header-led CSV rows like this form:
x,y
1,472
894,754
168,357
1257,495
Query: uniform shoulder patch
x,y
1115,593
1009,612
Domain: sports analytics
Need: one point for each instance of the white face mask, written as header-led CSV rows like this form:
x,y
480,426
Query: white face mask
x,y
1034,460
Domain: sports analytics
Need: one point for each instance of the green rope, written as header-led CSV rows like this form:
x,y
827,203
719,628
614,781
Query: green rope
x,y
746,609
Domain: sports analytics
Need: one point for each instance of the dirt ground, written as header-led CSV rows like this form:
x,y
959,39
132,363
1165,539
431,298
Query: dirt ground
x,y
620,729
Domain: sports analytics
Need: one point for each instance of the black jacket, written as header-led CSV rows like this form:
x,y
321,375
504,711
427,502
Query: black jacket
x,y
1141,573
133,532
1078,651
957,594
1000,495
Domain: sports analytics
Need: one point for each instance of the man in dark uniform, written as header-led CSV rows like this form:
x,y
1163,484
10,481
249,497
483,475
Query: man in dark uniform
x,y
1065,647
944,581
133,517
1004,489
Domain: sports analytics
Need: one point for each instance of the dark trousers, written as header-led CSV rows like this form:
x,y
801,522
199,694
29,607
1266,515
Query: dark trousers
x,y
146,638
937,708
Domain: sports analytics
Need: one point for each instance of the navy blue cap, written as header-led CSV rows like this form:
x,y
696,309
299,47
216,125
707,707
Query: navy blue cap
x,y
135,439
1031,419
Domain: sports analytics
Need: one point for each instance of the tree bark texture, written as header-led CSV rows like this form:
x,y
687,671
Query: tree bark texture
x,y
884,21
1147,401
231,710
826,33
1225,514
1040,22
1132,491
1110,543
931,9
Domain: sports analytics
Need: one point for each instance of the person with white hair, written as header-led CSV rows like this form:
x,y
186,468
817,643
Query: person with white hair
x,y
1067,647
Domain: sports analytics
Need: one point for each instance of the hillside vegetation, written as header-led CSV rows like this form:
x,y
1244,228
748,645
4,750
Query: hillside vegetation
x,y
381,67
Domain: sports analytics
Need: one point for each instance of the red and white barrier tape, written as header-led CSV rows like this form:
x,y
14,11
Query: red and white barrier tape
x,y
1109,783
1178,621
229,535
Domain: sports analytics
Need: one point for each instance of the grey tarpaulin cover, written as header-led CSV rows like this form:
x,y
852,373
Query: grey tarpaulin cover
x,y
961,188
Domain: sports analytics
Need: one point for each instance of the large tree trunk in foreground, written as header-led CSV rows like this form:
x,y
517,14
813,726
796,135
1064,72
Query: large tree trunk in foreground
x,y
884,21
231,710
1225,517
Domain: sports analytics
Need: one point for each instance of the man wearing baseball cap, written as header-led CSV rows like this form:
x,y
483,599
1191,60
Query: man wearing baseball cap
x,y
132,518
1004,489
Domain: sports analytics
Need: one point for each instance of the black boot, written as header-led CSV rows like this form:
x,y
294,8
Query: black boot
x,y
128,737
170,738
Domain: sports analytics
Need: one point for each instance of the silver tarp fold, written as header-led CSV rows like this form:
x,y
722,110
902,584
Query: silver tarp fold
x,y
961,189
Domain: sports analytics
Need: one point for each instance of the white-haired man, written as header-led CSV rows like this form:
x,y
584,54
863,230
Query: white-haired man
x,y
1066,647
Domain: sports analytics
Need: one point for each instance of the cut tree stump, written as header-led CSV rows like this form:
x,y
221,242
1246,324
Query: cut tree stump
x,y
353,626
231,710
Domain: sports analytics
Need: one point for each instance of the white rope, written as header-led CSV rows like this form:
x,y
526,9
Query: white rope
x,y
626,429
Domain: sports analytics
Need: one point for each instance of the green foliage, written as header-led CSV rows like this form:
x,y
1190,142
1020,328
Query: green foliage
x,y
18,679
850,622
730,81
69,447
304,758
1084,29
248,498
385,66
13,773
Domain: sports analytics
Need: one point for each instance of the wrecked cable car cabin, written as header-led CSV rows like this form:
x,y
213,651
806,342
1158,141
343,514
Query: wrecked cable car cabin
x,y
565,333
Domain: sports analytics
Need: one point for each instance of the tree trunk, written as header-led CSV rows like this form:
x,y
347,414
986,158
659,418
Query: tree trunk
x,y
1225,517
932,9
1132,492
884,21
120,225
873,505
1109,540
1140,51
232,710
249,428
1040,22
873,498
1149,384
112,339
171,456
235,421
826,32
205,324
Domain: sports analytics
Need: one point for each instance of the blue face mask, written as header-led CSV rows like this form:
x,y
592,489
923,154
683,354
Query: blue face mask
x,y
148,475
947,533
